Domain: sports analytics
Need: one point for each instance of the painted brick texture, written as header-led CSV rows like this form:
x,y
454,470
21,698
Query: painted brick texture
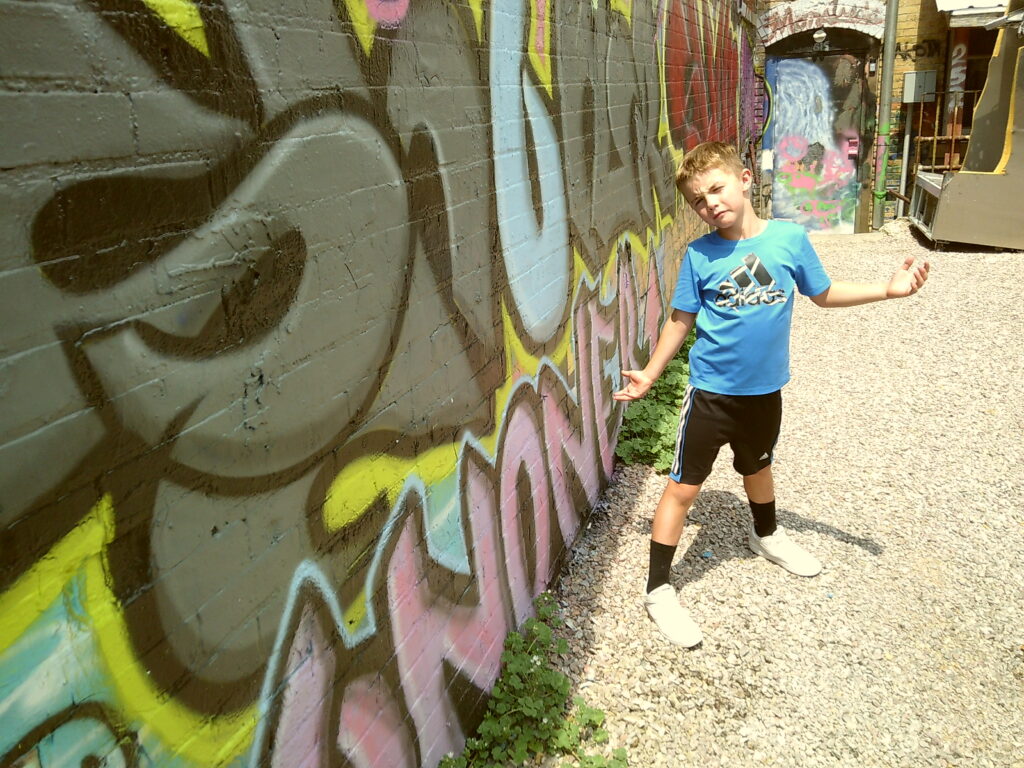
x,y
312,314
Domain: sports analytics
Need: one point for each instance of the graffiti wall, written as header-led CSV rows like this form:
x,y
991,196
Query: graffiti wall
x,y
312,314
817,116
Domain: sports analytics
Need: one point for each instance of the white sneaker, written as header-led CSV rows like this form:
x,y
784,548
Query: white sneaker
x,y
672,619
781,549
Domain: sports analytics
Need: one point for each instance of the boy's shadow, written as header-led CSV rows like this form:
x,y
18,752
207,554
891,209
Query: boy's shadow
x,y
725,521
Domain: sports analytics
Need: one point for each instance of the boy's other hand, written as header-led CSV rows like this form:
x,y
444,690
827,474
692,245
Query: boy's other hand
x,y
907,280
638,383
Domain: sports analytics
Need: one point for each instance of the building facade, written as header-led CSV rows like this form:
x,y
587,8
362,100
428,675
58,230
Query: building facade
x,y
824,146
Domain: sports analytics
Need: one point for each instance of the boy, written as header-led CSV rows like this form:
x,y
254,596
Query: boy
x,y
738,284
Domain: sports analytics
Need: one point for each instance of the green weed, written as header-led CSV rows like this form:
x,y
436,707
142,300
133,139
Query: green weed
x,y
528,715
648,434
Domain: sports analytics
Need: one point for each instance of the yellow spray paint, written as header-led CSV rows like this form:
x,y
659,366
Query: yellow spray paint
x,y
365,25
625,7
477,7
183,17
82,554
541,59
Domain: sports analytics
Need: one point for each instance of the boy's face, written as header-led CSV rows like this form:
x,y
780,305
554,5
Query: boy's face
x,y
719,196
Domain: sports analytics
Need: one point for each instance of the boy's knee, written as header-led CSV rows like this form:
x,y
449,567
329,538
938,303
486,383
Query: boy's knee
x,y
682,493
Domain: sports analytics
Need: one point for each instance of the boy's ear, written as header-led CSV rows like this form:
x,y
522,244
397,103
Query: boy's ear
x,y
747,177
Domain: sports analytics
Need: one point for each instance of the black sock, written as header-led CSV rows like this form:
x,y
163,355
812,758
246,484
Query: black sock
x,y
661,564
764,517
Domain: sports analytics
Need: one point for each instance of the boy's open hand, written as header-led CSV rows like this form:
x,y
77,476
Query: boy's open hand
x,y
907,280
638,383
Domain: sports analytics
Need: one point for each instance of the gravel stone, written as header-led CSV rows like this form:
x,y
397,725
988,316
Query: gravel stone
x,y
900,467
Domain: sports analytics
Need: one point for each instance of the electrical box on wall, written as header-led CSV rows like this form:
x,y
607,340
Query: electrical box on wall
x,y
919,87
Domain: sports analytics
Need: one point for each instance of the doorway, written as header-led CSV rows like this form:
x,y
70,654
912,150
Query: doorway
x,y
821,129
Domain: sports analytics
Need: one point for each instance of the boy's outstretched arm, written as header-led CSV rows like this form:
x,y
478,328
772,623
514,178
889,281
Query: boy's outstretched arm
x,y
673,334
906,282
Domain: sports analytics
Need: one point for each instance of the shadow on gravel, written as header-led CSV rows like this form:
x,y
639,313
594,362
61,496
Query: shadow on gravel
x,y
794,522
724,520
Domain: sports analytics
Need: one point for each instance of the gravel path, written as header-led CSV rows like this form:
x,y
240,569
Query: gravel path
x,y
900,466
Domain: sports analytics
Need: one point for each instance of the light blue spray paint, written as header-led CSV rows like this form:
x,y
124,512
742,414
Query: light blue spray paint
x,y
536,253
803,103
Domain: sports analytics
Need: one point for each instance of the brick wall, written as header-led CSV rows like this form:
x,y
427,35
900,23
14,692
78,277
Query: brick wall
x,y
921,33
312,314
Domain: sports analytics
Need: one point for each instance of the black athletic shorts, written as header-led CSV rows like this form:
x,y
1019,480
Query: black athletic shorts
x,y
707,421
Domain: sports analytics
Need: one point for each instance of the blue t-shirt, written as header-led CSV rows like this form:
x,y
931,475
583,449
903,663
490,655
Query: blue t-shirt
x,y
742,292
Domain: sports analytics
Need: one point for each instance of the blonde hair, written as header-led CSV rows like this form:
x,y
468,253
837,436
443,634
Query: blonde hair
x,y
706,156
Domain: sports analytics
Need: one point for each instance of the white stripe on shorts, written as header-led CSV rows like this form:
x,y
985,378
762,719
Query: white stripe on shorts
x,y
684,416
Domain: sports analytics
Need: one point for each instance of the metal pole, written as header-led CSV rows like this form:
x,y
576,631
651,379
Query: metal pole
x,y
885,110
907,128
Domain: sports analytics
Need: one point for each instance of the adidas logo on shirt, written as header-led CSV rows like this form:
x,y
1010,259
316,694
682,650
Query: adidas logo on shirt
x,y
750,284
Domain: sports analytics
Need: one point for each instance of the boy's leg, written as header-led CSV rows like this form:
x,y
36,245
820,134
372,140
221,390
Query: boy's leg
x,y
697,444
669,520
753,450
670,516
760,488
661,600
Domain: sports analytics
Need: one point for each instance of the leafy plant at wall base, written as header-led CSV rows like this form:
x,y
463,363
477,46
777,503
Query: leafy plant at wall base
x,y
648,434
528,714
